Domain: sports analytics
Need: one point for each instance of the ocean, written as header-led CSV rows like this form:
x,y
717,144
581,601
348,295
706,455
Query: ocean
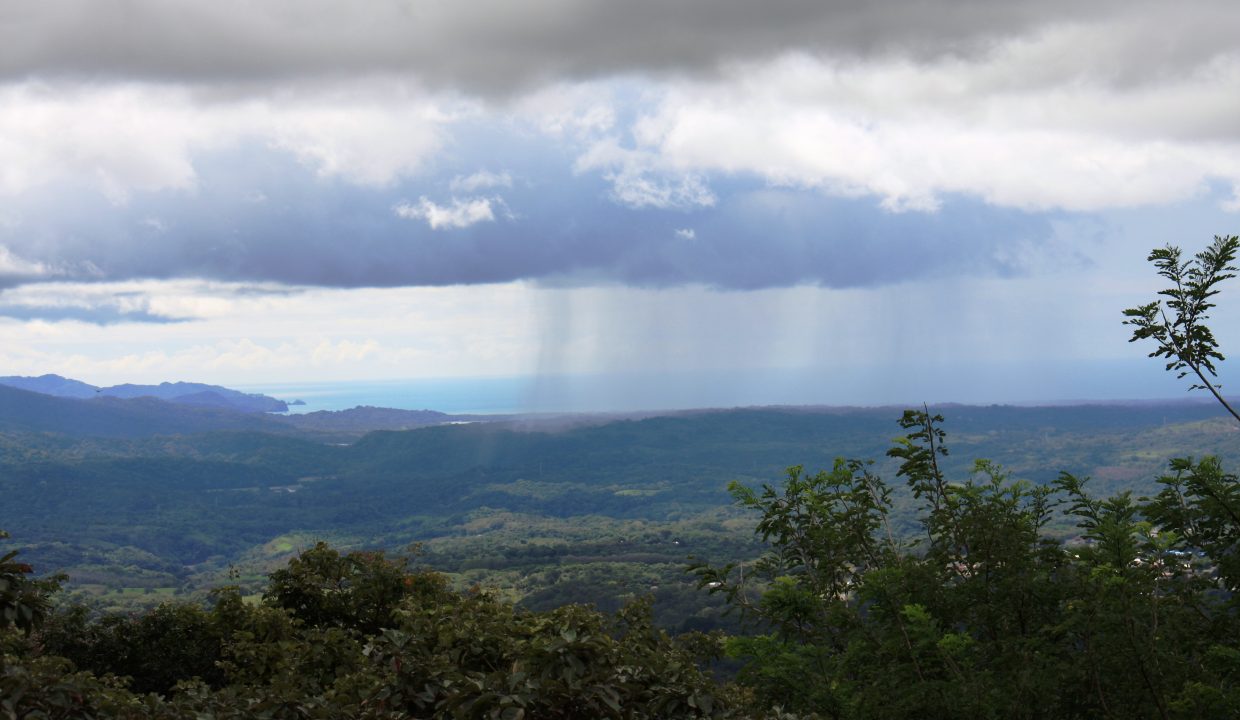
x,y
583,393
458,396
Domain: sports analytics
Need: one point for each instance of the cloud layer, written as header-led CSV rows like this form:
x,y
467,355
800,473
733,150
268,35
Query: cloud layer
x,y
577,142
256,216
495,46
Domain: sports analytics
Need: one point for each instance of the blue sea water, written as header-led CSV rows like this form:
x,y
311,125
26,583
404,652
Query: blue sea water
x,y
461,396
585,393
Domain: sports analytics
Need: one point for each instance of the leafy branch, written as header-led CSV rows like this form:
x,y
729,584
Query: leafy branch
x,y
1184,338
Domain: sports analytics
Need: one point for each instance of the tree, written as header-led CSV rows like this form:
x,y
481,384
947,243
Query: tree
x,y
855,622
360,590
1184,338
1201,502
358,635
24,602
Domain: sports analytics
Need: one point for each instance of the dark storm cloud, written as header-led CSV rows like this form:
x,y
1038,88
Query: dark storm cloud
x,y
563,229
496,46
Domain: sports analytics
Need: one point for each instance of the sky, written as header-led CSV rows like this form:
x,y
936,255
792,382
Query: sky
x,y
700,202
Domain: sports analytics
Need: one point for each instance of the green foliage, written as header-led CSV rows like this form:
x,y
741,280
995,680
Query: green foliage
x,y
23,600
1200,504
48,687
359,636
477,658
821,532
156,649
357,591
988,616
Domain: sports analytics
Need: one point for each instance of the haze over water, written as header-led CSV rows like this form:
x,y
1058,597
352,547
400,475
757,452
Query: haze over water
x,y
626,392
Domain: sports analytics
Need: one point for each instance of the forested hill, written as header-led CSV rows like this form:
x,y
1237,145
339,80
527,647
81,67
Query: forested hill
x,y
109,417
157,511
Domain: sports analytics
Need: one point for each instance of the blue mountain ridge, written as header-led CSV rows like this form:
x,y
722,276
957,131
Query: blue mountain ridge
x,y
184,393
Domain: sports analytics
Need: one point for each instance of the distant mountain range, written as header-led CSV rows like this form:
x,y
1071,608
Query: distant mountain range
x,y
113,417
55,404
181,393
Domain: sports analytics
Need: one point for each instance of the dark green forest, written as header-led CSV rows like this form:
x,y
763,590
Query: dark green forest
x,y
947,562
597,514
982,611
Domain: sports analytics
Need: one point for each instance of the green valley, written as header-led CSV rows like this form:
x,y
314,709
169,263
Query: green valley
x,y
545,511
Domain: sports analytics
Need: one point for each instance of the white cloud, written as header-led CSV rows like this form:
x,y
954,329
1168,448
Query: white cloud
x,y
564,110
1233,203
370,136
126,137
638,189
911,134
686,233
642,178
118,137
460,214
12,265
481,180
